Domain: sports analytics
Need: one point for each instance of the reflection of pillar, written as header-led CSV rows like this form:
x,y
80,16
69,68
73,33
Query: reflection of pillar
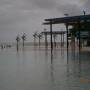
x,y
46,44
51,35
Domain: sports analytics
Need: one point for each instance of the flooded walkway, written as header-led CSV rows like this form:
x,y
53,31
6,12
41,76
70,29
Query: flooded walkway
x,y
33,70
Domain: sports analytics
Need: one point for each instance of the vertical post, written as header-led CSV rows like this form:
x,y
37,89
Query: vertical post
x,y
79,27
67,35
17,45
46,40
67,41
61,39
34,41
39,42
79,40
51,35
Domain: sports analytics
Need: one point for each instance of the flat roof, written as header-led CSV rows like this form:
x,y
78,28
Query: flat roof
x,y
68,19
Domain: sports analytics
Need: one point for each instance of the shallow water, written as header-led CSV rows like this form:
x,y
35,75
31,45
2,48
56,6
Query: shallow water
x,y
39,70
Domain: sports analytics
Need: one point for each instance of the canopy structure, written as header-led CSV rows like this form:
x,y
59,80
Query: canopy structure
x,y
70,20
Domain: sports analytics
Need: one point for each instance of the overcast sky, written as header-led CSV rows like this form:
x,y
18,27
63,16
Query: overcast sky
x,y
18,16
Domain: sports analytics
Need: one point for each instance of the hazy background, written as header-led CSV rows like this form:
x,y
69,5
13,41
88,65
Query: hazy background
x,y
18,16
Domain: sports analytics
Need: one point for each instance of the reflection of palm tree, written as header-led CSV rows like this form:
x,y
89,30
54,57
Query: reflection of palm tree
x,y
17,40
55,36
35,36
23,38
39,36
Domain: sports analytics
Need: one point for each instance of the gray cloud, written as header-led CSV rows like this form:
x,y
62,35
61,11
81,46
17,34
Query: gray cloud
x,y
18,16
46,4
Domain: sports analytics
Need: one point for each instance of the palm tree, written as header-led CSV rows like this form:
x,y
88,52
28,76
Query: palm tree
x,y
17,40
23,38
39,36
35,36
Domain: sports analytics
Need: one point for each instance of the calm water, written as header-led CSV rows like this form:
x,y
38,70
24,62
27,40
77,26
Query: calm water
x,y
32,70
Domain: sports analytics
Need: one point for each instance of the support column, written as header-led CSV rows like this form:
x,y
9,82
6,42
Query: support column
x,y
79,27
67,41
61,39
67,35
51,35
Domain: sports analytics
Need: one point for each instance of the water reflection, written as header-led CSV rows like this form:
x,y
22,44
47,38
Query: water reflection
x,y
74,64
41,69
52,73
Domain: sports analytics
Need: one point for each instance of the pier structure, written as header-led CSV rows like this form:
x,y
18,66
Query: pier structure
x,y
78,22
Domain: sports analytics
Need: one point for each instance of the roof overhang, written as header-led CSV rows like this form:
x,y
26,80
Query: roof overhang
x,y
67,20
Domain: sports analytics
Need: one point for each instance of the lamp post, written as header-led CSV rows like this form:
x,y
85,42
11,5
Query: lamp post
x,y
55,36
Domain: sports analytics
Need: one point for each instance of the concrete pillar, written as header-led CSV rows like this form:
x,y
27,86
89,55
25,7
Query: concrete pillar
x,y
51,36
67,35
